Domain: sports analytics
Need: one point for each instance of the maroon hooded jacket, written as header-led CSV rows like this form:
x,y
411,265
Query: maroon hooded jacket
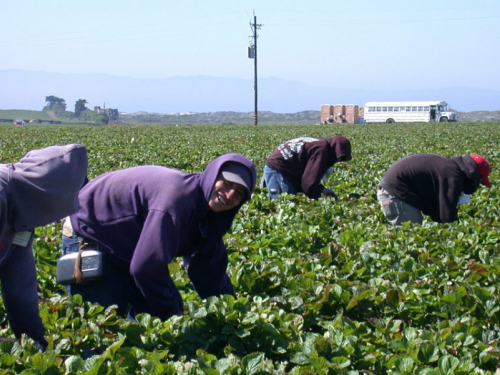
x,y
304,161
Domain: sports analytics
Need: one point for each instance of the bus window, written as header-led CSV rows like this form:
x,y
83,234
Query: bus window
x,y
379,109
402,109
420,108
414,109
390,109
396,109
426,109
384,109
408,109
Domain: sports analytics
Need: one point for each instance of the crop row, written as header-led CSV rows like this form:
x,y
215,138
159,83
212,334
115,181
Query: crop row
x,y
322,286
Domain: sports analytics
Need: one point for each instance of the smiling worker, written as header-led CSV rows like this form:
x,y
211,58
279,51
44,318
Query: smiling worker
x,y
143,218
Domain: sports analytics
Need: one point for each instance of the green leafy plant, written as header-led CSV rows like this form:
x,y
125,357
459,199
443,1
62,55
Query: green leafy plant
x,y
322,287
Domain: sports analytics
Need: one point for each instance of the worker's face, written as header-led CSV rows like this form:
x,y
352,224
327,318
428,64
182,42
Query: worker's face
x,y
226,195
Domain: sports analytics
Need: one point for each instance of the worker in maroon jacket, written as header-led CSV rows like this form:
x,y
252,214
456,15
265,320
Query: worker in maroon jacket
x,y
301,164
430,184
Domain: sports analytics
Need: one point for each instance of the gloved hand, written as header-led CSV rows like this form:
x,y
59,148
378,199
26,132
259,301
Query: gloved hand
x,y
40,346
329,193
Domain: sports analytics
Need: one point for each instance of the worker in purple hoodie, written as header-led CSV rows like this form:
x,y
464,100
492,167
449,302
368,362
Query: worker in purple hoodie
x,y
143,218
39,189
300,166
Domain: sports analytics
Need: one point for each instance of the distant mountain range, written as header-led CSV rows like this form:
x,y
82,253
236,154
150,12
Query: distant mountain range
x,y
21,89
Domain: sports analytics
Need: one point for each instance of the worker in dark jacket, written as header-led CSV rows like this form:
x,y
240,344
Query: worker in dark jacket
x,y
430,184
143,218
301,164
39,189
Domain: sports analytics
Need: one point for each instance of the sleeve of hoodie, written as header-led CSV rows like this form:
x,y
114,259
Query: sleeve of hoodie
x,y
208,271
20,296
449,193
157,246
314,171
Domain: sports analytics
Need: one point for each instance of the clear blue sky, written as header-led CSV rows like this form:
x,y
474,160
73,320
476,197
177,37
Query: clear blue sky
x,y
357,44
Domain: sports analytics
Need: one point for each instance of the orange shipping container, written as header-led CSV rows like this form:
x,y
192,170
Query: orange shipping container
x,y
326,112
352,113
339,113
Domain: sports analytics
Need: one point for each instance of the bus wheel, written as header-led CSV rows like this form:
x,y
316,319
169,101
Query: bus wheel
x,y
443,119
390,121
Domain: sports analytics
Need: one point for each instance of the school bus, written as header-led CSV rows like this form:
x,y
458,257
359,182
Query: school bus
x,y
418,111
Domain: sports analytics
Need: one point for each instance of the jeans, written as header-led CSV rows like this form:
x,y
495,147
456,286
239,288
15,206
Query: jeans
x,y
397,211
117,287
276,183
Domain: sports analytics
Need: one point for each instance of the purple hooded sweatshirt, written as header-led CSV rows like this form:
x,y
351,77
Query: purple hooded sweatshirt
x,y
145,217
304,161
41,188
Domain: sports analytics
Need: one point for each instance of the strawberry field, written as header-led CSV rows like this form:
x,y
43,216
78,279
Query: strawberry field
x,y
323,287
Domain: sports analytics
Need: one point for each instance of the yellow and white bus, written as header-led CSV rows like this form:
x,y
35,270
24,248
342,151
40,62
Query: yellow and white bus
x,y
421,111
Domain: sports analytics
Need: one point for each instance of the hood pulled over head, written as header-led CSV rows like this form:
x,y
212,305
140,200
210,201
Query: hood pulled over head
x,y
228,163
341,148
221,221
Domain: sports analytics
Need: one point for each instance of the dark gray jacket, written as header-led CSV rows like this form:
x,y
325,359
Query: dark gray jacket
x,y
432,183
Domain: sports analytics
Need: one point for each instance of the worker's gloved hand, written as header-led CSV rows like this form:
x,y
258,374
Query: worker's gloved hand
x,y
329,193
40,346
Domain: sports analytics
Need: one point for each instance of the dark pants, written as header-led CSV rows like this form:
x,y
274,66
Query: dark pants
x,y
117,288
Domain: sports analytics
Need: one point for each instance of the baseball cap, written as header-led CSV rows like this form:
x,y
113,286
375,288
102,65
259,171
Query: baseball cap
x,y
483,167
237,173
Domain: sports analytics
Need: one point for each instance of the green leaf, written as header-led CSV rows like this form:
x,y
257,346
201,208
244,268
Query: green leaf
x,y
447,364
428,353
352,303
405,365
252,363
73,364
393,298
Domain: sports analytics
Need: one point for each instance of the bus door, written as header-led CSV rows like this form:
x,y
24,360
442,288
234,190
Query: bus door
x,y
433,113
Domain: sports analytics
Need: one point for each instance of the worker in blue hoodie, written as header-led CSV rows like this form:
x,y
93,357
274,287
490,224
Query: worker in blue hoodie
x,y
143,218
39,189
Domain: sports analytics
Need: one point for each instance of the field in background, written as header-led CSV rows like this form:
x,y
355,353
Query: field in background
x,y
26,115
322,286
236,118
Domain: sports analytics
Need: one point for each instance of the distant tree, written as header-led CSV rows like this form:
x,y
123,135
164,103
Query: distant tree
x,y
80,106
102,119
52,100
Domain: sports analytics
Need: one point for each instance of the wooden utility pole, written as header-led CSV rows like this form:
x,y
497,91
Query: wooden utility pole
x,y
253,55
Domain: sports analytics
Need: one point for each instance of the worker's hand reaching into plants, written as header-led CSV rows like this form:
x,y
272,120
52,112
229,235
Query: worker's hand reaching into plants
x,y
329,193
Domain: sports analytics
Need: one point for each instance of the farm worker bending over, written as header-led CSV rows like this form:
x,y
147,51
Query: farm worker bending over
x,y
142,218
39,189
431,184
300,165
